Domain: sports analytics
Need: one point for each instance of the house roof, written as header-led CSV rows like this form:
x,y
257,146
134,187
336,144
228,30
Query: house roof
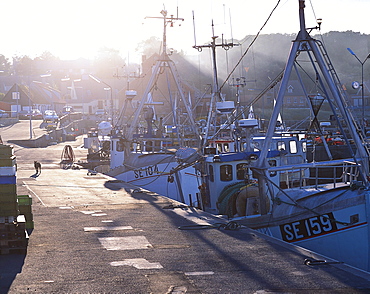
x,y
24,95
44,93
37,93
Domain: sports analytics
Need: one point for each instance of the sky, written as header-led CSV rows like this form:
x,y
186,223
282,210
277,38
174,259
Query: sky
x,y
72,29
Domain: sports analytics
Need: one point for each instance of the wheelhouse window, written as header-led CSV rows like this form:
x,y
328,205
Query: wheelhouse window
x,y
304,146
242,171
211,173
256,146
120,146
281,145
293,147
272,162
226,172
219,147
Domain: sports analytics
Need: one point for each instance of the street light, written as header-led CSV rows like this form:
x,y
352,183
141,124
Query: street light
x,y
362,85
111,93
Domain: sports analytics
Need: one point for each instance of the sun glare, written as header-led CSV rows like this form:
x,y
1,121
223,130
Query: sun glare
x,y
72,29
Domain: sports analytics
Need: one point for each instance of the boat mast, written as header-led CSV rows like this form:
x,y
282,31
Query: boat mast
x,y
304,42
216,94
240,83
166,63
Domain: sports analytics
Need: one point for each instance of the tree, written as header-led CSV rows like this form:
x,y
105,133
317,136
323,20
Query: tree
x,y
4,65
23,65
107,63
46,56
150,46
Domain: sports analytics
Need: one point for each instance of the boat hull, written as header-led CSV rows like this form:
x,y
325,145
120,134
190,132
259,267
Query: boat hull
x,y
336,228
155,173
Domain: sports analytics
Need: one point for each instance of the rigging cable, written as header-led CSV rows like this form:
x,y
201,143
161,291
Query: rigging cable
x,y
231,226
250,45
259,96
158,176
295,203
227,60
313,10
139,85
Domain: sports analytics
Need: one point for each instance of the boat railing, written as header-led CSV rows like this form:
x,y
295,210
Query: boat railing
x,y
160,144
315,174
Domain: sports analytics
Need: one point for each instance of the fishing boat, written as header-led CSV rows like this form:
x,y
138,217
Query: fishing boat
x,y
261,180
157,158
265,182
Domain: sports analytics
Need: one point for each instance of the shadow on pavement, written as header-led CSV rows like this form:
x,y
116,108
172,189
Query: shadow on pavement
x,y
10,266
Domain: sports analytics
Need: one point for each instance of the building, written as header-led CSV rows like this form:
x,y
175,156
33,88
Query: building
x,y
35,96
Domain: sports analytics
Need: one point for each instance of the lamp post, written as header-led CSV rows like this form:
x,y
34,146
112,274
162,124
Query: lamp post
x,y
111,94
362,85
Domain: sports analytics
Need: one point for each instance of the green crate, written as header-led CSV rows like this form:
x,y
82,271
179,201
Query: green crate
x,y
9,212
29,217
8,201
6,189
25,209
7,197
10,161
30,225
6,150
24,200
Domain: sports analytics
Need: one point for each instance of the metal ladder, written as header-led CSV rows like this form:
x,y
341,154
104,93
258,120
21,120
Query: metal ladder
x,y
342,93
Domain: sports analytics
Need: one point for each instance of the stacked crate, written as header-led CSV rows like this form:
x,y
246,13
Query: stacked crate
x,y
13,235
25,208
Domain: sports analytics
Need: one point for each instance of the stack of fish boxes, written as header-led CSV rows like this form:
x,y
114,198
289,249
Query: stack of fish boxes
x,y
25,208
13,235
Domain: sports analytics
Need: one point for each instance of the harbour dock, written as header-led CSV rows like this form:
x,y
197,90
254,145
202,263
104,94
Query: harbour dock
x,y
93,234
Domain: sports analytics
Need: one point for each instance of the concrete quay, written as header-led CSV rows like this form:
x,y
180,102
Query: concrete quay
x,y
93,234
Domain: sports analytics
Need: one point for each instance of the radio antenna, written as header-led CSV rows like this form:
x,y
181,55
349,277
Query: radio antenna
x,y
195,38
166,20
231,27
213,29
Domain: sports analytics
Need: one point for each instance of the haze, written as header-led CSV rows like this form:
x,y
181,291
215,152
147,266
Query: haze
x,y
71,29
